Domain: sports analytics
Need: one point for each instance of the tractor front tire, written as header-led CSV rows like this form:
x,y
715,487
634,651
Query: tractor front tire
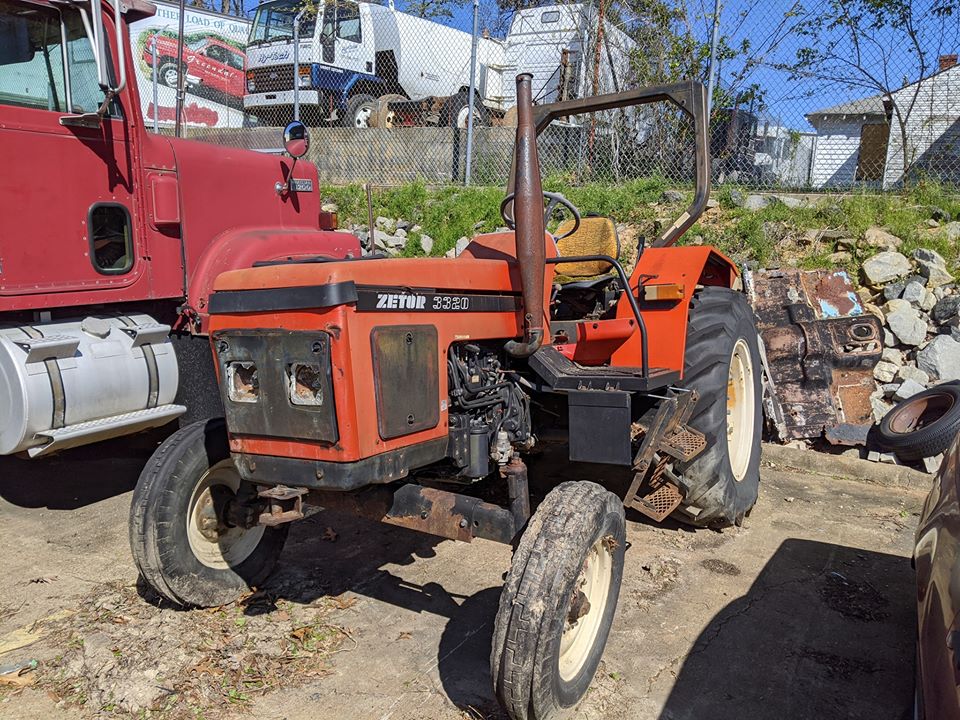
x,y
558,602
722,363
180,543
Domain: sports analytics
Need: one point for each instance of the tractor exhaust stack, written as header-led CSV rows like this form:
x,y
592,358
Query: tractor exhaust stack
x,y
528,218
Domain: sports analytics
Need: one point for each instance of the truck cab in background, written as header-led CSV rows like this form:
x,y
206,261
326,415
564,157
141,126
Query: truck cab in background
x,y
111,237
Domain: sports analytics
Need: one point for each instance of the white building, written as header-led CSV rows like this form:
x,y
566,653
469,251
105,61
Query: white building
x,y
860,142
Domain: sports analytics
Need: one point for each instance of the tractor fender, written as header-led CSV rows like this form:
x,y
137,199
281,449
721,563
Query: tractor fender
x,y
240,248
666,321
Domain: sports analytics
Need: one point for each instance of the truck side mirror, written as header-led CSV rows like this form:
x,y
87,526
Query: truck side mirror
x,y
296,139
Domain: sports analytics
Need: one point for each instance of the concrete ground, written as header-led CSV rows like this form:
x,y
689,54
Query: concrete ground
x,y
806,612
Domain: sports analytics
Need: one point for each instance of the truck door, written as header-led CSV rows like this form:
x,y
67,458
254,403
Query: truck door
x,y
342,27
68,217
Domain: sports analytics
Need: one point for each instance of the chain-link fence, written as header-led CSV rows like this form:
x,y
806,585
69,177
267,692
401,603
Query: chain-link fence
x,y
806,94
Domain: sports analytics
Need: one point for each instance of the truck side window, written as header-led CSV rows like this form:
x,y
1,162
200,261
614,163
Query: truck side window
x,y
111,239
35,44
348,22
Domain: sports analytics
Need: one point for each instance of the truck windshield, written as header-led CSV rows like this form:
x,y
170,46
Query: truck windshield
x,y
274,21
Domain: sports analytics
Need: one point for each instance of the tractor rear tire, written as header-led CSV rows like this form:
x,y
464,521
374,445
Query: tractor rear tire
x,y
558,601
179,543
722,363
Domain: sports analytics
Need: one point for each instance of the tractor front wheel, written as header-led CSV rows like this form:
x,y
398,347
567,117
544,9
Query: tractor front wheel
x,y
558,601
181,536
723,365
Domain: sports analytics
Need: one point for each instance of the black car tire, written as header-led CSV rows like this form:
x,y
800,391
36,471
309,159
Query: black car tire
x,y
923,425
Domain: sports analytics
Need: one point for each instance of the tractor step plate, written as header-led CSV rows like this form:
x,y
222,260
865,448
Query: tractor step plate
x,y
658,503
684,445
561,373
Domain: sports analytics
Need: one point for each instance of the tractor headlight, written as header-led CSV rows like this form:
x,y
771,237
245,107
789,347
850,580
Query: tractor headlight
x,y
305,384
243,383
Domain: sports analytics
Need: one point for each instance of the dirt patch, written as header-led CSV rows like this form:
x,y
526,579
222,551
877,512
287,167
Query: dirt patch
x,y
852,599
657,577
837,666
127,653
721,567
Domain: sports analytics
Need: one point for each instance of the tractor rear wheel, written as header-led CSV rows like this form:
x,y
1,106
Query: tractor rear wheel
x,y
558,601
182,543
723,365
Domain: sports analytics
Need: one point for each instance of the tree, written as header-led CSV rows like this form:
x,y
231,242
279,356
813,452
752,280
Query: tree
x,y
432,8
885,47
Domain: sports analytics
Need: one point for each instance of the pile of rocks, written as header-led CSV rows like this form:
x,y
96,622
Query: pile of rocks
x,y
919,304
391,235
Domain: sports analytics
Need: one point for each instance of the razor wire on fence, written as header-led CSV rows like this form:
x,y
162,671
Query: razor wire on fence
x,y
807,94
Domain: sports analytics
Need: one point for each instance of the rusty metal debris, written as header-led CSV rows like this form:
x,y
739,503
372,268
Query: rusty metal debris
x,y
821,347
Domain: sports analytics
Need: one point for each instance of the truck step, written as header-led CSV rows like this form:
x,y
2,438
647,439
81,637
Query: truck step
x,y
684,445
108,427
561,373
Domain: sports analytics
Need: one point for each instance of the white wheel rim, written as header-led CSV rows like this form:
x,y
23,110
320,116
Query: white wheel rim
x,y
579,634
741,409
362,118
463,116
233,545
170,77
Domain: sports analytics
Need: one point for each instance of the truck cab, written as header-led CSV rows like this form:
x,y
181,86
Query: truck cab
x,y
111,237
336,58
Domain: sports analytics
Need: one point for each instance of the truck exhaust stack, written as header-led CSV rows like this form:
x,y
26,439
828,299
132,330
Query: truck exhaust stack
x,y
528,215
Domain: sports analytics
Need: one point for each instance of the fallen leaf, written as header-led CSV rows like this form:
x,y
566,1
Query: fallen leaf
x,y
330,534
19,679
404,635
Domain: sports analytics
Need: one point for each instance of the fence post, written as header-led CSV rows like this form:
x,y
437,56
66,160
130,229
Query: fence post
x,y
714,41
468,170
181,75
156,94
296,63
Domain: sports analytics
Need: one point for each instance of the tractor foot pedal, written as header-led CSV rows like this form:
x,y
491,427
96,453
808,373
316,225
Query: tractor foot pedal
x,y
684,445
659,502
283,504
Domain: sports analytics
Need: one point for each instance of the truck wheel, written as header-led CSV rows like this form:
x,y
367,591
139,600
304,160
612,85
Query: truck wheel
x,y
360,110
384,117
457,111
169,73
722,364
558,602
181,543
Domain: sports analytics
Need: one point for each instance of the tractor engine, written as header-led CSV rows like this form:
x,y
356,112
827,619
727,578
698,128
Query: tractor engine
x,y
489,412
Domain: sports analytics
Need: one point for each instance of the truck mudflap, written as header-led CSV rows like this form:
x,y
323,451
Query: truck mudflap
x,y
821,347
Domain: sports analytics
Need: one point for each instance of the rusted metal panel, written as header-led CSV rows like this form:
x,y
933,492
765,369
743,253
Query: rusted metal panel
x,y
821,348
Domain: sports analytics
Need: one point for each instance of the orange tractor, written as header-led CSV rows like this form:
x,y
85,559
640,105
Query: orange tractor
x,y
393,387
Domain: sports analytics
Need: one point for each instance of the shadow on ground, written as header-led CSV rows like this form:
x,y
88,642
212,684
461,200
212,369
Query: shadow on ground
x,y
825,631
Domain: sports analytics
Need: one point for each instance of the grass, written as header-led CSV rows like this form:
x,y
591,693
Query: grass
x,y
773,235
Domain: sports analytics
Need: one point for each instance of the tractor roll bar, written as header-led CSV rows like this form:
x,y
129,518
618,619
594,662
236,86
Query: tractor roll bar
x,y
690,97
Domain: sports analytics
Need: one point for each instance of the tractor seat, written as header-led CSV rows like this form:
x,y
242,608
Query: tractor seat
x,y
596,236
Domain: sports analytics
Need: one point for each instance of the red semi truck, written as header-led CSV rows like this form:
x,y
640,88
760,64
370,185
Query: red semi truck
x,y
111,237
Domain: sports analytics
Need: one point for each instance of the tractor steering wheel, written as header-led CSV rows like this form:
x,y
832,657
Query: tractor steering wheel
x,y
554,200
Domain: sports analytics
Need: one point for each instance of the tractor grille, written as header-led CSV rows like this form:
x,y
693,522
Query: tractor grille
x,y
273,78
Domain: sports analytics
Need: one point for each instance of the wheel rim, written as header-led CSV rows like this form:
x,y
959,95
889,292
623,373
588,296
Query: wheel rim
x,y
362,117
212,543
170,77
586,609
920,412
741,409
464,115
